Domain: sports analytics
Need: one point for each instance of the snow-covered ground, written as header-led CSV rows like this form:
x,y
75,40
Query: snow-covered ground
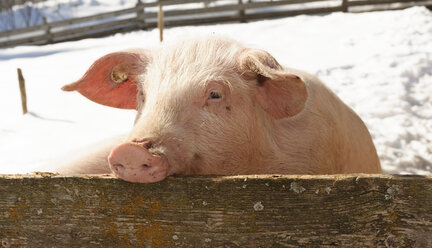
x,y
379,63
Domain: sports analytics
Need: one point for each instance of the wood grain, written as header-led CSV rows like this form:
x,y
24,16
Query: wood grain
x,y
215,211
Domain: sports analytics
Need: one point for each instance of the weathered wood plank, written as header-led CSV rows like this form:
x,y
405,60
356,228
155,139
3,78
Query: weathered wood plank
x,y
248,16
375,2
232,7
73,32
357,8
287,13
216,211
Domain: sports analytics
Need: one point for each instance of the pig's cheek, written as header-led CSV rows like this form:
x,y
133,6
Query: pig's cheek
x,y
218,107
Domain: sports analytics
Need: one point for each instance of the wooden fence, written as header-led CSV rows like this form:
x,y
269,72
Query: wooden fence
x,y
45,210
7,4
190,12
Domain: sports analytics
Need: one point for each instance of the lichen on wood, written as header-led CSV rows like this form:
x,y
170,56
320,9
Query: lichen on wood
x,y
46,210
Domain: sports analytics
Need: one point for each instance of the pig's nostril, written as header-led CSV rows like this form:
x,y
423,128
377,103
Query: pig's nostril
x,y
148,145
119,168
146,166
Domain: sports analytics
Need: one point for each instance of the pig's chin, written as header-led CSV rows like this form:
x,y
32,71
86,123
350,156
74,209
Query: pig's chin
x,y
186,165
144,174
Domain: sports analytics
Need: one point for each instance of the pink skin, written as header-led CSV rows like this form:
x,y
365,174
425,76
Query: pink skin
x,y
212,106
134,163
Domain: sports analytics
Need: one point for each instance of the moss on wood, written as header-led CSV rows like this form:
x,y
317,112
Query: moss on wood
x,y
45,210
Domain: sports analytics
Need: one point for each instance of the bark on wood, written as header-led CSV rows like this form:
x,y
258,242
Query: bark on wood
x,y
240,211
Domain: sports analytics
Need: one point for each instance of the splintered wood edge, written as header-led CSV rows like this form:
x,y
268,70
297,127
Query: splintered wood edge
x,y
337,177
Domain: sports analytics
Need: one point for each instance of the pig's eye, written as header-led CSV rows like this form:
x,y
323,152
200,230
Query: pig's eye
x,y
215,95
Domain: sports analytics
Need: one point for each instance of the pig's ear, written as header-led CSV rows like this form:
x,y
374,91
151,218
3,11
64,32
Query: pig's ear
x,y
281,94
112,79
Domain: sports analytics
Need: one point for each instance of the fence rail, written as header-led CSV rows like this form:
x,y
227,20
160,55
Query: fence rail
x,y
215,211
144,15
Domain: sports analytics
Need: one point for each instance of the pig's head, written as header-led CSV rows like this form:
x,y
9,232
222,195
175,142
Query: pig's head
x,y
206,106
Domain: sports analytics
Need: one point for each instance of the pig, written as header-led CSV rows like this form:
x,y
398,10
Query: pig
x,y
210,105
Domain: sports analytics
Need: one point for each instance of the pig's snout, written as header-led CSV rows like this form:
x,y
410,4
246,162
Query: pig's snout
x,y
134,163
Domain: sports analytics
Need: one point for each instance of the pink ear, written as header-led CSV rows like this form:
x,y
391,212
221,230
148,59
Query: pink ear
x,y
279,93
111,80
281,98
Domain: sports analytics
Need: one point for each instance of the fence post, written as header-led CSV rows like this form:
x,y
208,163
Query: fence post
x,y
160,22
140,15
345,5
23,91
241,11
47,30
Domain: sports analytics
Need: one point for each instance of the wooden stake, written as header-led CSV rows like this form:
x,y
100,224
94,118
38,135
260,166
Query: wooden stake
x,y
23,91
140,15
160,22
241,12
345,5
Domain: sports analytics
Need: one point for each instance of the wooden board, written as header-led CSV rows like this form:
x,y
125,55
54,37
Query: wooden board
x,y
45,210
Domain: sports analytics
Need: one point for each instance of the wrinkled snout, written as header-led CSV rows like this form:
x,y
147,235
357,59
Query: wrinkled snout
x,y
134,163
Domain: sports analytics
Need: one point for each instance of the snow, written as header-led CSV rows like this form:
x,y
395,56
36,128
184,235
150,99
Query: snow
x,y
379,63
